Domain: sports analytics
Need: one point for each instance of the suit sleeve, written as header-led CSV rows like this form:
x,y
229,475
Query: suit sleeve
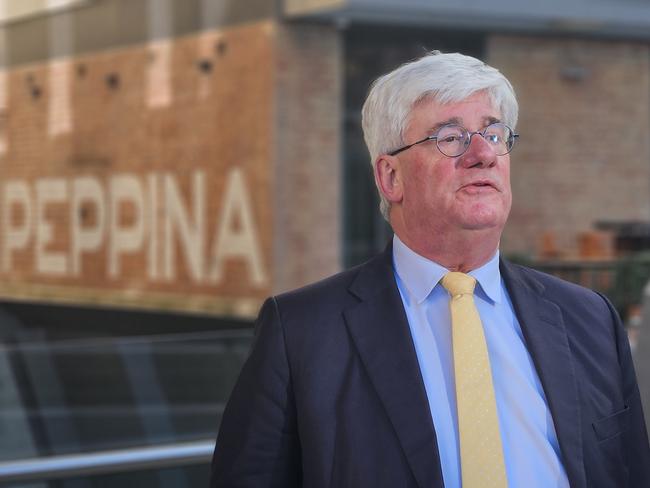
x,y
258,444
637,436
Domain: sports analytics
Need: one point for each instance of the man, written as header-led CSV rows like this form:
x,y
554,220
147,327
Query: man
x,y
436,363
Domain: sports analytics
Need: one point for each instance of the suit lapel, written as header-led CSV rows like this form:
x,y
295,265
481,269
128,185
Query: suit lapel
x,y
381,334
547,342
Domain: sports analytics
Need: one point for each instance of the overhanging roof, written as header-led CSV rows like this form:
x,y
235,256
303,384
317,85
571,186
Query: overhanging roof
x,y
612,18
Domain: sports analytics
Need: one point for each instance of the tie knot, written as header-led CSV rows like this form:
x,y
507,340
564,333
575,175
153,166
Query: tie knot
x,y
458,283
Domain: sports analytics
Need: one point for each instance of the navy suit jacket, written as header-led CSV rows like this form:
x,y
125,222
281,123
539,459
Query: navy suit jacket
x,y
332,395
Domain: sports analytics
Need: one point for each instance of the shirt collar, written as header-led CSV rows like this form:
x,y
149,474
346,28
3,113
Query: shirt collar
x,y
420,275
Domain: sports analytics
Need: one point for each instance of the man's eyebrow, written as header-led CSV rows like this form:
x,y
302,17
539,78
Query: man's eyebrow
x,y
452,120
458,121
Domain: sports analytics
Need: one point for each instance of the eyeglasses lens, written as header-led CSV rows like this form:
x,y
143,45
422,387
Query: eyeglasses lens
x,y
500,137
453,140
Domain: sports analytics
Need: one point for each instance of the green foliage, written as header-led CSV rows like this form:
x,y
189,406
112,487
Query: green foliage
x,y
631,275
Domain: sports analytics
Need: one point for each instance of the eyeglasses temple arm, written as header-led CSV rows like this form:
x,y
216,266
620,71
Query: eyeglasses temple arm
x,y
404,148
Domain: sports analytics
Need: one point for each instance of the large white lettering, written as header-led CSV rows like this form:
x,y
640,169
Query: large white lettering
x,y
86,238
15,236
237,241
124,189
48,190
153,216
153,259
191,236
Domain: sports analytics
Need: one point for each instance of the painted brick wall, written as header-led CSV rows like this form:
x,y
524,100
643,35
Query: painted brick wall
x,y
180,125
174,120
584,153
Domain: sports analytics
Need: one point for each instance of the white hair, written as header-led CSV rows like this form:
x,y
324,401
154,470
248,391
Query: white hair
x,y
447,78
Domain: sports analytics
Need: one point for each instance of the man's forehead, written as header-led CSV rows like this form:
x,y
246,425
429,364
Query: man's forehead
x,y
485,120
433,114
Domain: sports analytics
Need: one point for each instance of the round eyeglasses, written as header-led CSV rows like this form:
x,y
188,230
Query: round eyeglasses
x,y
453,140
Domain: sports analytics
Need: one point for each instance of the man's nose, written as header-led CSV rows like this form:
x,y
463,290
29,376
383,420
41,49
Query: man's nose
x,y
479,153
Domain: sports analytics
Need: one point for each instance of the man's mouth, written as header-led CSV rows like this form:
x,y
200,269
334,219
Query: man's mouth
x,y
480,184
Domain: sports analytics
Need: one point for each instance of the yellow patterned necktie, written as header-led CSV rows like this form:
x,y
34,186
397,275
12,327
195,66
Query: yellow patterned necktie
x,y
481,453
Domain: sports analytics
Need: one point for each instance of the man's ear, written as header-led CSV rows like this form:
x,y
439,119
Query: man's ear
x,y
388,174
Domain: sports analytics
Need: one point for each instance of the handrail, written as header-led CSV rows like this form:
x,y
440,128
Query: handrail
x,y
107,462
95,342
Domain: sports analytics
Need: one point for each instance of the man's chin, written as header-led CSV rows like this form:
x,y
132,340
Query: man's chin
x,y
484,222
484,217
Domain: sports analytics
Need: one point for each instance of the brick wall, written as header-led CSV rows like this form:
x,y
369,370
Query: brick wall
x,y
123,174
307,185
584,152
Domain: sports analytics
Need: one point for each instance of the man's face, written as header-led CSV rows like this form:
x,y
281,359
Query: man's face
x,y
441,194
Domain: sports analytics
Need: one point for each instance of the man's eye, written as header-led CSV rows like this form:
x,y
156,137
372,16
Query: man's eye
x,y
451,138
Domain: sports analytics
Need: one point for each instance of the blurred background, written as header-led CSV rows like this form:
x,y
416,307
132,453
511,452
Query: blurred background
x,y
166,164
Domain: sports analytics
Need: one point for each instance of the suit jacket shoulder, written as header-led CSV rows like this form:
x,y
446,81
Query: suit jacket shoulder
x,y
549,285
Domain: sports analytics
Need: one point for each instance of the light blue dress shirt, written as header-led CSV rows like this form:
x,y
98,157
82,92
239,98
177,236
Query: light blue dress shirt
x,y
530,445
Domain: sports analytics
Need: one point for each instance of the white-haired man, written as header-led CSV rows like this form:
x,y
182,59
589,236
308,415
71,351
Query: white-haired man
x,y
437,363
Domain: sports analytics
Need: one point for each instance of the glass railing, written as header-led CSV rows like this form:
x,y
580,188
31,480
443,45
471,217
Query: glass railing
x,y
99,406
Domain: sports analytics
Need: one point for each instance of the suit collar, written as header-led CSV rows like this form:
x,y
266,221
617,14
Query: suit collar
x,y
547,341
380,332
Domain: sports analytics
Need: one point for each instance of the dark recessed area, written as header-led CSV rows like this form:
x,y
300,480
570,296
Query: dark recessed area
x,y
221,47
205,66
113,81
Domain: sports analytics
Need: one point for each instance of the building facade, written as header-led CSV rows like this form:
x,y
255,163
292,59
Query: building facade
x,y
167,164
200,155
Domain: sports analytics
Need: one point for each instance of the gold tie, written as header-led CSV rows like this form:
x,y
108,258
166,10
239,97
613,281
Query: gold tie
x,y
481,453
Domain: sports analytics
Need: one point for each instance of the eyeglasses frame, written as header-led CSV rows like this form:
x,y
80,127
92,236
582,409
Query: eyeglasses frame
x,y
434,137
